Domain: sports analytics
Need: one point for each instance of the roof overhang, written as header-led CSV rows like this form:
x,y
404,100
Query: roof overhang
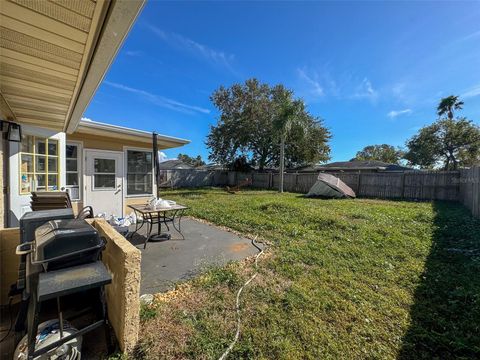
x,y
119,132
54,55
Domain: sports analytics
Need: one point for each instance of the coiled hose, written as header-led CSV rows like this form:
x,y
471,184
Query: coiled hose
x,y
237,306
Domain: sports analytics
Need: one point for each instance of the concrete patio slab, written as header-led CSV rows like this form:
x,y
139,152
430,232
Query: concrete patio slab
x,y
167,262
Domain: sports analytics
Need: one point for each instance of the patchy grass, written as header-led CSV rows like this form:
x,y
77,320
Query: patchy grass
x,y
343,279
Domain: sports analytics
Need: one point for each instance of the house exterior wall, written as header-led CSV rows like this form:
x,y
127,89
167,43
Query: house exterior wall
x,y
20,203
3,183
91,141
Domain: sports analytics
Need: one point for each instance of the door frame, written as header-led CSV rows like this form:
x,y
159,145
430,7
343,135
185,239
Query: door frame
x,y
84,175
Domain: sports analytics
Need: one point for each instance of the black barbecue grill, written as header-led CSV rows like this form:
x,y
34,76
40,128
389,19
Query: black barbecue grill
x,y
64,243
28,224
62,258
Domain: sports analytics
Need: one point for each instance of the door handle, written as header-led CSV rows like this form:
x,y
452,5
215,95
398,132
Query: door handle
x,y
119,188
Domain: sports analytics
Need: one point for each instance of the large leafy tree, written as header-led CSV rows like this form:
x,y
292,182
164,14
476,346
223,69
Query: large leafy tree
x,y
384,152
249,126
190,160
448,142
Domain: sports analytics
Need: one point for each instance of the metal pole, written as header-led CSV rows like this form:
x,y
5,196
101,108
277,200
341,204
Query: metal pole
x,y
282,164
155,161
60,317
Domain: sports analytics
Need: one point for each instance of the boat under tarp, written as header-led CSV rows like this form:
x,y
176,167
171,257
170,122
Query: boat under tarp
x,y
329,186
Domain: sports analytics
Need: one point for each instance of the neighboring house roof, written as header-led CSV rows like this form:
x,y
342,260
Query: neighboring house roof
x,y
124,133
174,164
356,165
55,55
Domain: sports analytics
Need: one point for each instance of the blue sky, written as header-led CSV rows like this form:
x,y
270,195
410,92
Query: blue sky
x,y
373,70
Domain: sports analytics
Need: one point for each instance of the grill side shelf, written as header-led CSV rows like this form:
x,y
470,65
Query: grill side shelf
x,y
66,281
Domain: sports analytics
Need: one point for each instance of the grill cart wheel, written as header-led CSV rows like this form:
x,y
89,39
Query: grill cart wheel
x,y
49,332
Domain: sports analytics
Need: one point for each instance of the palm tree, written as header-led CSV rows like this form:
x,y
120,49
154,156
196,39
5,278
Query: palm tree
x,y
448,105
287,115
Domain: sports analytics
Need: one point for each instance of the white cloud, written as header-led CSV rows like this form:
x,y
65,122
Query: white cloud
x,y
366,91
394,113
162,156
160,100
473,91
312,82
134,53
86,119
471,36
212,56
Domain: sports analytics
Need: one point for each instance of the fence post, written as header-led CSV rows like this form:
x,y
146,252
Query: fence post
x,y
403,185
359,182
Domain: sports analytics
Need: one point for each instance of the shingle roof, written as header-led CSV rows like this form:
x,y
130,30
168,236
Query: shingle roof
x,y
173,164
357,165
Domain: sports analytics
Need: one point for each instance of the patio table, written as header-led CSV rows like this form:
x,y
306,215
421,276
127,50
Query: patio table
x,y
157,215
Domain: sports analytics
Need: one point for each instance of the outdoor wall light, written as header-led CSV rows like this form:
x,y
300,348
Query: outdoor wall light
x,y
13,130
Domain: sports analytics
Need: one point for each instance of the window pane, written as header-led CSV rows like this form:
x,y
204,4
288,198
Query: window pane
x,y
41,182
26,184
41,164
139,162
139,172
104,166
104,181
52,147
52,164
139,184
40,146
71,151
27,163
52,182
71,164
72,178
27,144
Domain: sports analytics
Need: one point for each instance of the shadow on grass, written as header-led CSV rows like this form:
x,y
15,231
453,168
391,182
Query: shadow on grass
x,y
445,317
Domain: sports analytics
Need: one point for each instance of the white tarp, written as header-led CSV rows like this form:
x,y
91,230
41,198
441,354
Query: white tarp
x,y
329,186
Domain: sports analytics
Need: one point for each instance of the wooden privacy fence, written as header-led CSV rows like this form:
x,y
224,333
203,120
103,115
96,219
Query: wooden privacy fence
x,y
470,189
439,185
463,185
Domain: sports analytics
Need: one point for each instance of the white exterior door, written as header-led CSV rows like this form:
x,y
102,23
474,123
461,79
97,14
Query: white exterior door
x,y
104,182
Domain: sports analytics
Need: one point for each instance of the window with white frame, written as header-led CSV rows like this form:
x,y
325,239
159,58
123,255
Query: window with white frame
x,y
72,155
39,164
139,172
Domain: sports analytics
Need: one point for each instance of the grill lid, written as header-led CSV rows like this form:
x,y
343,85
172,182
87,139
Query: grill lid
x,y
59,239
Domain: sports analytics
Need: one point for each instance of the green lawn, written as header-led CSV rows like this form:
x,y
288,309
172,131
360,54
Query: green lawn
x,y
343,279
